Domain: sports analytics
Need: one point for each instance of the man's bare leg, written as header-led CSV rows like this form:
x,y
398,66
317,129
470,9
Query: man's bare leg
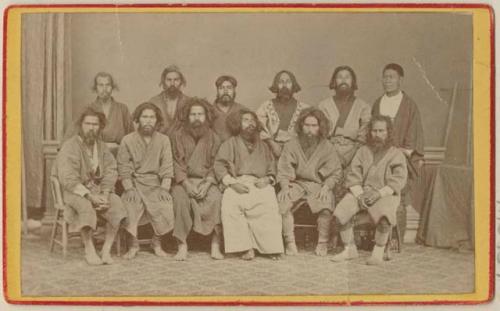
x,y
381,237
216,241
90,254
288,234
108,242
347,235
248,255
156,244
133,249
324,220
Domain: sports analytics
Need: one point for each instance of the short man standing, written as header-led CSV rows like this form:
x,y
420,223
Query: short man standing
x,y
196,196
348,115
377,175
225,104
308,170
86,170
171,99
245,165
408,130
279,115
146,169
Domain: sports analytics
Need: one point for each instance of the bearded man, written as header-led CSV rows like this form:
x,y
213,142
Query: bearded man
x,y
86,170
348,115
245,166
171,99
196,196
225,105
145,166
376,177
279,115
308,170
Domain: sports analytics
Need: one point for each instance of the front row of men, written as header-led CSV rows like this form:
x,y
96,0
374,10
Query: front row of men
x,y
226,189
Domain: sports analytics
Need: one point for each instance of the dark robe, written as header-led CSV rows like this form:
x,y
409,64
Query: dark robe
x,y
170,123
219,125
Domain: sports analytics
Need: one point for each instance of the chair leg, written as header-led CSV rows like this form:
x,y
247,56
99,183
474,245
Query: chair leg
x,y
387,251
54,231
64,238
399,243
118,242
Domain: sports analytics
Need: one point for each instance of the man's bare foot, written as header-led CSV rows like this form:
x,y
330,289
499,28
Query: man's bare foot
x,y
216,253
132,252
275,257
159,251
92,259
248,255
291,249
107,260
181,252
321,249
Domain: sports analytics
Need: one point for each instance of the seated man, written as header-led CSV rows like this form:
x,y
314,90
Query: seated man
x,y
245,165
196,195
146,168
86,170
308,169
377,175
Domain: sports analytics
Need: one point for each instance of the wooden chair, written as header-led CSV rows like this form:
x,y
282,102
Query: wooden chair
x,y
60,224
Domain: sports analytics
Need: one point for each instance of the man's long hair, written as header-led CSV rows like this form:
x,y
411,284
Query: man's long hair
x,y
324,125
233,121
138,112
94,113
103,74
295,85
389,125
169,69
333,83
201,102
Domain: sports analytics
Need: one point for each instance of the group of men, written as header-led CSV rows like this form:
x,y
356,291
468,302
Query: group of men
x,y
223,170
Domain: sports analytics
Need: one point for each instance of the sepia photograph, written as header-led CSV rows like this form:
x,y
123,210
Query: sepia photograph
x,y
249,154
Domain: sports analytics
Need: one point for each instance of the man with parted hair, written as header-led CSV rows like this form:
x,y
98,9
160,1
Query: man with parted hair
x,y
348,114
279,115
225,104
308,170
86,170
245,165
376,177
196,196
145,166
171,99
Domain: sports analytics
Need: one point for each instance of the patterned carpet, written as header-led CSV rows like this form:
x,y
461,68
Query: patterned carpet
x,y
417,270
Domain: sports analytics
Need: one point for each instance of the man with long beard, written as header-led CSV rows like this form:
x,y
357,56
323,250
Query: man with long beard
x,y
171,99
245,166
196,196
225,105
279,115
376,177
348,115
145,166
86,170
308,170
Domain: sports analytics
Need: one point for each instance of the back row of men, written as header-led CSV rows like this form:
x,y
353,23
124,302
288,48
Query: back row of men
x,y
216,168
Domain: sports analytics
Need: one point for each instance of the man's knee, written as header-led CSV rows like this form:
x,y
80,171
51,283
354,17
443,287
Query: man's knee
x,y
383,225
342,225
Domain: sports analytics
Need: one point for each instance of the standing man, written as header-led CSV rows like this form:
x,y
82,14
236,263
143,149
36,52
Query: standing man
x,y
171,99
348,115
196,196
245,165
225,104
408,130
145,166
86,170
279,115
377,175
308,170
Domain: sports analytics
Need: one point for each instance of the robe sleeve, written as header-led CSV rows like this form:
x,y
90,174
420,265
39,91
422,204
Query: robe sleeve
x,y
262,116
125,165
110,172
396,173
364,119
355,172
166,172
127,120
414,138
224,160
271,162
216,145
180,161
331,171
68,164
286,166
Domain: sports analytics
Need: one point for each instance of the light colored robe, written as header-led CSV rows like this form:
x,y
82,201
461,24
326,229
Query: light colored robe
x,y
306,176
147,167
249,220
